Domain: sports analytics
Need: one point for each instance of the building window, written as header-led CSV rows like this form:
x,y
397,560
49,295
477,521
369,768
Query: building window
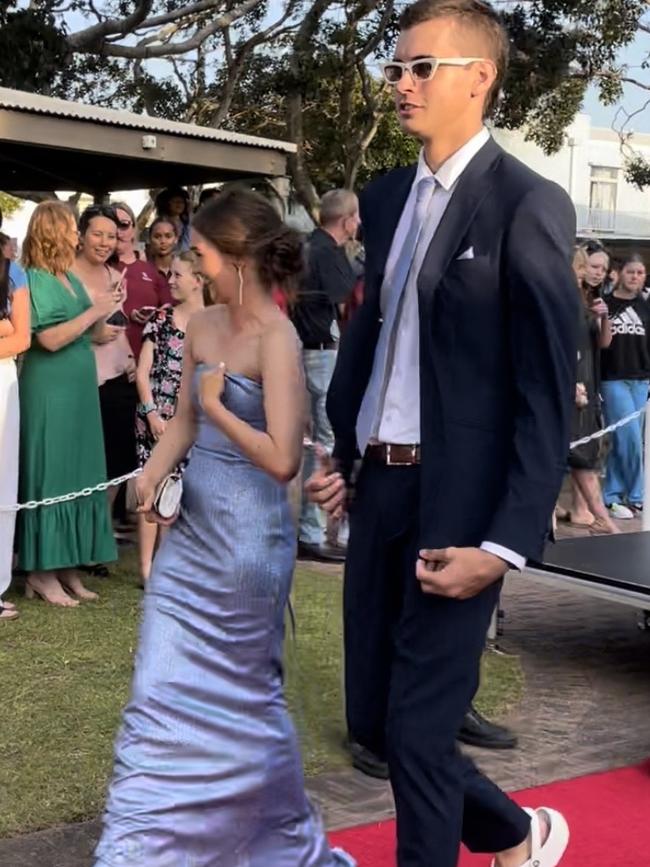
x,y
602,198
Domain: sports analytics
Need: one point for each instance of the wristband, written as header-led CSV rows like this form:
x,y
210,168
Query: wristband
x,y
146,408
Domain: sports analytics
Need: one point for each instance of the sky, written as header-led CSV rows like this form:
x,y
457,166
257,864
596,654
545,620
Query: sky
x,y
633,98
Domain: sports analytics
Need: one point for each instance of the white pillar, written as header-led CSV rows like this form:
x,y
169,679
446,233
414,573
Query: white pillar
x,y
646,468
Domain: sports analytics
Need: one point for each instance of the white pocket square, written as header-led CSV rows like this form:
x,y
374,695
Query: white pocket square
x,y
468,254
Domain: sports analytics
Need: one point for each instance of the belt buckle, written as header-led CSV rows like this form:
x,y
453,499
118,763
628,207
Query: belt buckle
x,y
391,463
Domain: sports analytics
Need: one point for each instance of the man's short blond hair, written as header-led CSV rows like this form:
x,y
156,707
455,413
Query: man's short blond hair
x,y
337,205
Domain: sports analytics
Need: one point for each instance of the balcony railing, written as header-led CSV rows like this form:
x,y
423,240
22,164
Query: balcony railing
x,y
618,224
601,220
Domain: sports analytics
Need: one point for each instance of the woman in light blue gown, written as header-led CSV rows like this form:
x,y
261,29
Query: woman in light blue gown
x,y
207,767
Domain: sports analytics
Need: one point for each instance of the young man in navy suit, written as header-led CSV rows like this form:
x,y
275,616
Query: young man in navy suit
x,y
454,384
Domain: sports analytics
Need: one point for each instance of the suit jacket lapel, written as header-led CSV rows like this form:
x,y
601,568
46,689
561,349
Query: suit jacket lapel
x,y
473,185
392,211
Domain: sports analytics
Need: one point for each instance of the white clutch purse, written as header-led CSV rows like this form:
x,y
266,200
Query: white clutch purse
x,y
168,496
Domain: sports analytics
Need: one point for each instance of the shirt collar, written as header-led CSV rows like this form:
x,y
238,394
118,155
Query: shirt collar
x,y
452,169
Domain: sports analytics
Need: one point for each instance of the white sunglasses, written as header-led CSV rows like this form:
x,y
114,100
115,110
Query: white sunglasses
x,y
424,68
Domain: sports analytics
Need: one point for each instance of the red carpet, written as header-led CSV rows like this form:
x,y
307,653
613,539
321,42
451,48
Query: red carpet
x,y
609,816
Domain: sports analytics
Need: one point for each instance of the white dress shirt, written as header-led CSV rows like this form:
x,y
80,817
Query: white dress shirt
x,y
399,415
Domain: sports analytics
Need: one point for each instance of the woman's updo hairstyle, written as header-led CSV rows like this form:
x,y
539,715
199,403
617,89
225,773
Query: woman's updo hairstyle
x,y
243,224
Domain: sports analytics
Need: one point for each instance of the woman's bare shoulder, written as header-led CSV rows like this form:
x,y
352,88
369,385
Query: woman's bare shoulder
x,y
207,318
280,335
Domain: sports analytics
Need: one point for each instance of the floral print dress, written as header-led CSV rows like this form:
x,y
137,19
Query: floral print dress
x,y
165,375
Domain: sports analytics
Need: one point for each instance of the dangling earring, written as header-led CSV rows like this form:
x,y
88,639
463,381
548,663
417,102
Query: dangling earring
x,y
241,284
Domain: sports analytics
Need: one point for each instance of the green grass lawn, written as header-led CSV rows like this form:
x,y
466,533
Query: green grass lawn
x,y
66,675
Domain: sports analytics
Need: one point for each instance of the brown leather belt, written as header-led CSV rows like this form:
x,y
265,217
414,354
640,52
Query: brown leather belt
x,y
393,455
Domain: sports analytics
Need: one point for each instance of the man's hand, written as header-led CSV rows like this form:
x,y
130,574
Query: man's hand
x,y
326,487
458,573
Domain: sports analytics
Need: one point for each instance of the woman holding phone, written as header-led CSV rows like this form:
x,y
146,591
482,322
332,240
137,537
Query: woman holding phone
x,y
113,354
148,290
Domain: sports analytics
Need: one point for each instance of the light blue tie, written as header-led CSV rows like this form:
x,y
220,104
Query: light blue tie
x,y
374,396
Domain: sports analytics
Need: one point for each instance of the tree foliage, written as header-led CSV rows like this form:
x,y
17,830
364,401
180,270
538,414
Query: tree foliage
x,y
307,71
8,204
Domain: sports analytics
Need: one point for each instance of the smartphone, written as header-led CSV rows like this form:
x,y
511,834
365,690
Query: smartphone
x,y
118,318
117,287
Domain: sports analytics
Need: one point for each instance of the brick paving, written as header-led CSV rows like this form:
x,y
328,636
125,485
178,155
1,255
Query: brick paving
x,y
585,709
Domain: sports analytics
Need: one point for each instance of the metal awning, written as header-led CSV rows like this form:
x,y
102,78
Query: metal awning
x,y
52,144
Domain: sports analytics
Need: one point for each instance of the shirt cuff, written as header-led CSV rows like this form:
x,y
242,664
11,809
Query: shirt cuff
x,y
515,560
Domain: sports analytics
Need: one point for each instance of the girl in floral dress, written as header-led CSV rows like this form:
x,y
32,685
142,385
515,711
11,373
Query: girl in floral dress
x,y
159,376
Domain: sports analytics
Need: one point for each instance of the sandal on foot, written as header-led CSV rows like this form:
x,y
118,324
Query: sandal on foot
x,y
578,525
8,613
550,852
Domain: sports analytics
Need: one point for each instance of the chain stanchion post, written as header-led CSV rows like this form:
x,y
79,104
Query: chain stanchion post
x,y
646,468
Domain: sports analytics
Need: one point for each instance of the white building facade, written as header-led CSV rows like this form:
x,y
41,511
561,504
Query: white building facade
x,y
590,167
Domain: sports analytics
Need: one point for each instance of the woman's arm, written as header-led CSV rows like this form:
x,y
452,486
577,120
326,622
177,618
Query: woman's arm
x,y
277,450
179,433
58,336
143,383
145,363
6,328
605,336
601,311
20,339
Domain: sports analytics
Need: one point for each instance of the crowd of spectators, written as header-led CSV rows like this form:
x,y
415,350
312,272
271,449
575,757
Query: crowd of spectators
x,y
612,383
101,360
98,319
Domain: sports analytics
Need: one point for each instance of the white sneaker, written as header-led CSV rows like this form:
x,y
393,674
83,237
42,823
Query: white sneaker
x,y
620,512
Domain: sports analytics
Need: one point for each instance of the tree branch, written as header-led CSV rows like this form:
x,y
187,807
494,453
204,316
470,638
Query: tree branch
x,y
167,49
294,104
238,60
96,34
185,11
183,83
643,85
227,47
371,44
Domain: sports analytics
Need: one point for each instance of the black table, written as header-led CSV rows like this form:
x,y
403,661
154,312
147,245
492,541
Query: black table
x,y
616,568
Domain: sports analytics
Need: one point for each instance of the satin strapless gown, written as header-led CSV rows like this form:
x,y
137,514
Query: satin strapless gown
x,y
207,767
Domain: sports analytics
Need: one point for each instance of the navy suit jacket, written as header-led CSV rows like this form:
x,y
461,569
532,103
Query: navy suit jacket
x,y
498,350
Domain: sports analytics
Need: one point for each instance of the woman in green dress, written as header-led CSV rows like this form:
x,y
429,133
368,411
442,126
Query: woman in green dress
x,y
61,441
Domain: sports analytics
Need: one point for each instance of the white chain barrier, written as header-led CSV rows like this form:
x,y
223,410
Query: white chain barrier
x,y
68,498
120,480
612,427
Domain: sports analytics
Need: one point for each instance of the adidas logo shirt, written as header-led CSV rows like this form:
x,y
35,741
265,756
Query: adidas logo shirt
x,y
628,356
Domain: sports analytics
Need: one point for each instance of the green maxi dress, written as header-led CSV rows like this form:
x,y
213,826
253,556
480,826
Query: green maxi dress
x,y
61,440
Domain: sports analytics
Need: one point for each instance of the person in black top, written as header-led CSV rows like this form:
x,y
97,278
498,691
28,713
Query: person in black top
x,y
327,285
625,371
594,334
